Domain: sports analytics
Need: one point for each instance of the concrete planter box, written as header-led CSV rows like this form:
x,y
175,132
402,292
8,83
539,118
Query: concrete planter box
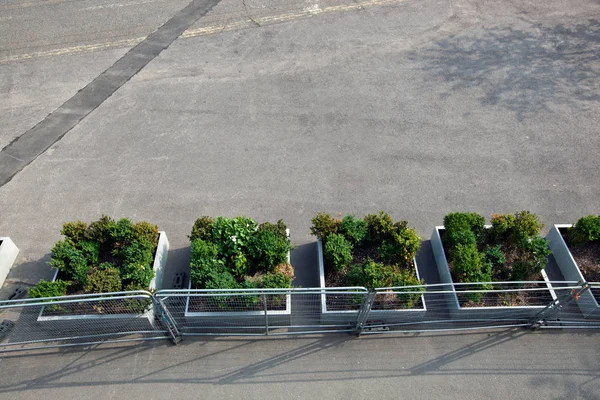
x,y
329,317
587,303
8,255
145,319
488,312
252,318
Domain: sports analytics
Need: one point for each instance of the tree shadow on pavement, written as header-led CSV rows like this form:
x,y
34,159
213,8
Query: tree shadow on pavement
x,y
525,71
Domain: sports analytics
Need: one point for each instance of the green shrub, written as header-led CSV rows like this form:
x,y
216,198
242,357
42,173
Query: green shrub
x,y
126,250
279,229
137,262
146,231
502,225
527,225
464,237
380,226
494,256
586,229
338,251
457,224
323,225
533,259
401,248
267,249
355,230
103,281
75,260
100,231
121,234
467,264
232,237
49,289
203,260
75,231
222,279
378,275
202,229
275,280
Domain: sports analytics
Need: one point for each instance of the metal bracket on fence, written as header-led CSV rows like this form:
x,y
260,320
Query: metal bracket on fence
x,y
363,313
557,304
168,321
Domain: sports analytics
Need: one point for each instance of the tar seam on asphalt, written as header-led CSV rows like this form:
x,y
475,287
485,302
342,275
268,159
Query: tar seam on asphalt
x,y
27,147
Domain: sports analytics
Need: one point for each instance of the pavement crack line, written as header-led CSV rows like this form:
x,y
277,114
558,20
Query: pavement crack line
x,y
248,14
23,150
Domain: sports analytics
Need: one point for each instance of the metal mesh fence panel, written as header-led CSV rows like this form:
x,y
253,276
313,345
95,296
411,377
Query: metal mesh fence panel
x,y
468,306
262,311
76,320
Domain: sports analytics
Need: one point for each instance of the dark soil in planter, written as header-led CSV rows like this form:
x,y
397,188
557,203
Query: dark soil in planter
x,y
587,257
237,303
504,299
352,302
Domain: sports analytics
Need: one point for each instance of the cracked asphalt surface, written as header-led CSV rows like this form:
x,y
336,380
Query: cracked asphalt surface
x,y
415,107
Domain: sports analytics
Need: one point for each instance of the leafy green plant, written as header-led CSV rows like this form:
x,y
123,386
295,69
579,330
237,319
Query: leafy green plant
x,y
203,260
372,274
458,224
494,256
402,247
103,281
75,231
267,249
279,229
146,231
100,230
533,259
202,229
467,263
380,226
323,225
502,225
527,225
236,253
97,250
75,259
275,280
586,229
355,230
338,251
49,289
232,237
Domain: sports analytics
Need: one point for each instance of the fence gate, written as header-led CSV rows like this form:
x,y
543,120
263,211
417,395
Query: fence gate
x,y
263,311
82,319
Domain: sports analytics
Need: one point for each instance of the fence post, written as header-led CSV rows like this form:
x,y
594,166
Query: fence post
x,y
363,313
167,319
557,304
264,298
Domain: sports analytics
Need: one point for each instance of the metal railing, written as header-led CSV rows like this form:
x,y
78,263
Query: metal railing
x,y
79,319
175,314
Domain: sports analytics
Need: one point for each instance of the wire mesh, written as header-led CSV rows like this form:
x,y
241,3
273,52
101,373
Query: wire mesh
x,y
170,314
471,306
75,320
261,311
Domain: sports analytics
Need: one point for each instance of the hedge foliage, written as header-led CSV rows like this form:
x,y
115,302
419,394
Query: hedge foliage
x,y
105,256
479,255
374,251
233,253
